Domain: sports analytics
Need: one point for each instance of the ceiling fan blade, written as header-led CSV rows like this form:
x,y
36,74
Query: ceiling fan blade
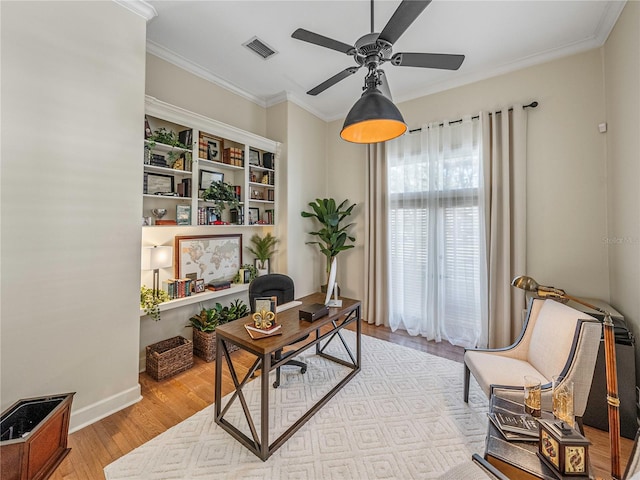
x,y
333,80
442,61
404,16
384,84
316,39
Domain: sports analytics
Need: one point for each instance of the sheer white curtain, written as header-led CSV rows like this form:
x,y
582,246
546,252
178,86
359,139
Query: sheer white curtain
x,y
434,232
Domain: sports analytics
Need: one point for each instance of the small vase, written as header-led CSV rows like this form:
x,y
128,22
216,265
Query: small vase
x,y
262,267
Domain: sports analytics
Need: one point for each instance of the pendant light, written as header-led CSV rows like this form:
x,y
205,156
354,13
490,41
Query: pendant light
x,y
374,118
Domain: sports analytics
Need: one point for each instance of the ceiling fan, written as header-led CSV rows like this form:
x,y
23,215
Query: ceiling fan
x,y
373,50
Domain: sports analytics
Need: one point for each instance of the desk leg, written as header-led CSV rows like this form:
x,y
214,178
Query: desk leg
x,y
264,407
218,381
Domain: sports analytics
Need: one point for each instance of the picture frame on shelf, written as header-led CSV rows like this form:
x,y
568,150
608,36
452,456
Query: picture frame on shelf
x,y
183,214
214,149
213,258
254,157
156,183
254,215
200,285
208,177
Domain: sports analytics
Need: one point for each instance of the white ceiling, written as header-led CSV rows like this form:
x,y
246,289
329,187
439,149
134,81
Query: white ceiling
x,y
206,37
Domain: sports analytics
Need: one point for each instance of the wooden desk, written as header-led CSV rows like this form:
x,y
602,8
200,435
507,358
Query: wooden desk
x,y
265,349
517,460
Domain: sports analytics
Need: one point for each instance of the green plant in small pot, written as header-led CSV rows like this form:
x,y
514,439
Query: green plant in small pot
x,y
333,236
223,195
263,249
150,303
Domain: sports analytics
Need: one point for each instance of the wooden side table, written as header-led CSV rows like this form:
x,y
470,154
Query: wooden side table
x,y
517,460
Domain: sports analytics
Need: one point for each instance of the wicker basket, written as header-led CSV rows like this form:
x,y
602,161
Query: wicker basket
x,y
204,345
169,357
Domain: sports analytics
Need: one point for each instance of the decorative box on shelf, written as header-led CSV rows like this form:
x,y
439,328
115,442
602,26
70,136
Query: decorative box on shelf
x,y
564,449
169,357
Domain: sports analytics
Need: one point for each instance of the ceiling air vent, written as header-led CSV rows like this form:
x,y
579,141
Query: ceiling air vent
x,y
258,47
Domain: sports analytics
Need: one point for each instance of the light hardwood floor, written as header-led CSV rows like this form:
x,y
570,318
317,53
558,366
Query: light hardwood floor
x,y
168,402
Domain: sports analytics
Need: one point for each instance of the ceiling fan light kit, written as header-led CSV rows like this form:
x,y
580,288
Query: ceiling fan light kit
x,y
374,118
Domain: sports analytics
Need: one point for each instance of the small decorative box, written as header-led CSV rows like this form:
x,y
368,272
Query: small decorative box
x,y
564,449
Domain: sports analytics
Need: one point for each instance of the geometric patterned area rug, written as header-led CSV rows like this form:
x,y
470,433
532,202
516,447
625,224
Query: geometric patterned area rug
x,y
401,417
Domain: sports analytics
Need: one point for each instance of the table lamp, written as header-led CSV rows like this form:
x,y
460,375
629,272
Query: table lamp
x,y
155,258
530,285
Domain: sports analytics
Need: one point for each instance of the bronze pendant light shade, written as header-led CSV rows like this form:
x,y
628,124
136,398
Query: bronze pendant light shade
x,y
374,118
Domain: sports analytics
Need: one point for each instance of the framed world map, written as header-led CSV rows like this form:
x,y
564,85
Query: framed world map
x,y
214,258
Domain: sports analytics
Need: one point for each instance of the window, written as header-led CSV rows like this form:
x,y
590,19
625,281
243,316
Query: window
x,y
434,232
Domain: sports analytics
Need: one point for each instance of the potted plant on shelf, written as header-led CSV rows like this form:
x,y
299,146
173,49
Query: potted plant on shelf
x,y
222,195
205,323
263,249
150,302
333,236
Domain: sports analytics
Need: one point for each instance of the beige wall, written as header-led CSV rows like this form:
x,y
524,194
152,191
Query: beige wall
x,y
622,88
70,208
306,180
178,87
566,164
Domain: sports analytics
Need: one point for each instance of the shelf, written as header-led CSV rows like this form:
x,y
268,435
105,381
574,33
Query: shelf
x,y
165,197
255,200
166,170
262,169
163,147
209,163
201,297
259,184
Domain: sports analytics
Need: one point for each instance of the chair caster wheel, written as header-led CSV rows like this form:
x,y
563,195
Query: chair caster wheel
x,y
276,384
303,370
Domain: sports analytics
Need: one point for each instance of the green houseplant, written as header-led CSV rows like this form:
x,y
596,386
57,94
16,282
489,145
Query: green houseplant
x,y
263,249
150,302
222,195
204,326
253,273
333,236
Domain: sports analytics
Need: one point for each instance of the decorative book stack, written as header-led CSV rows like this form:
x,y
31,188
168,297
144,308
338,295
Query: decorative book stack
x,y
516,427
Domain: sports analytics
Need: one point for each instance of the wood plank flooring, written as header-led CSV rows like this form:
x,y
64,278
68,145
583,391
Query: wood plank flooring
x,y
168,402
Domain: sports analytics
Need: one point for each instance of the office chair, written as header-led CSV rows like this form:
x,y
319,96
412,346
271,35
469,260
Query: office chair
x,y
281,287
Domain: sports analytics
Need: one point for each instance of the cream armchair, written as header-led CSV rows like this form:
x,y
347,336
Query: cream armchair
x,y
556,340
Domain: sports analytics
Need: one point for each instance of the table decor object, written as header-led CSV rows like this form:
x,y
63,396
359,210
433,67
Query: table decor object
x,y
564,449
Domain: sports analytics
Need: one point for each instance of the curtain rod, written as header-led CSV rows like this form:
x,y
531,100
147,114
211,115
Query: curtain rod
x,y
533,104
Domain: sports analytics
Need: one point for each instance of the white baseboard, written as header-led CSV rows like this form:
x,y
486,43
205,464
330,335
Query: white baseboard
x,y
99,410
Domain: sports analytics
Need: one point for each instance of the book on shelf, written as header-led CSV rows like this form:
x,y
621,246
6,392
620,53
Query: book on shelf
x,y
515,426
257,333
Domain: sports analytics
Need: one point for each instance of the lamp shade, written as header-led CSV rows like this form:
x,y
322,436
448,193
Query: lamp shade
x,y
374,118
156,257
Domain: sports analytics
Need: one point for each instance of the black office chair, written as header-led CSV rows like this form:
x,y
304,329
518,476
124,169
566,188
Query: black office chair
x,y
281,287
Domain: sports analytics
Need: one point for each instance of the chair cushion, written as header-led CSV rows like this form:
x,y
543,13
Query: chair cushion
x,y
491,369
552,337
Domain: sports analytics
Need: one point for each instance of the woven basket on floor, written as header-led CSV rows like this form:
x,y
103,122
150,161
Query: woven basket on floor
x,y
204,345
169,357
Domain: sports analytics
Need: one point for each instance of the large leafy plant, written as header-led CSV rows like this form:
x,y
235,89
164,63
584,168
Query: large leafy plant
x,y
263,247
333,236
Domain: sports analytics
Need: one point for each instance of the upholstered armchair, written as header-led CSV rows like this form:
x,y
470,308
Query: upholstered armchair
x,y
556,340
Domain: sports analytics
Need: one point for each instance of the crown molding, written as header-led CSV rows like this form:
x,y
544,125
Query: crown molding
x,y
139,7
285,96
608,20
191,67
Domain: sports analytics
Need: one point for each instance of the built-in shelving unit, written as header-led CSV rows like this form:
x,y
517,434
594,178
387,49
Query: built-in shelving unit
x,y
174,177
235,289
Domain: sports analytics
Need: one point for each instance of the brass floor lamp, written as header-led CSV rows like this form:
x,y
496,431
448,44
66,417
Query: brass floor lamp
x,y
530,285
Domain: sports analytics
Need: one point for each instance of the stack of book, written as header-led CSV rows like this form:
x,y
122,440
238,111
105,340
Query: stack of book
x,y
516,427
178,287
256,333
